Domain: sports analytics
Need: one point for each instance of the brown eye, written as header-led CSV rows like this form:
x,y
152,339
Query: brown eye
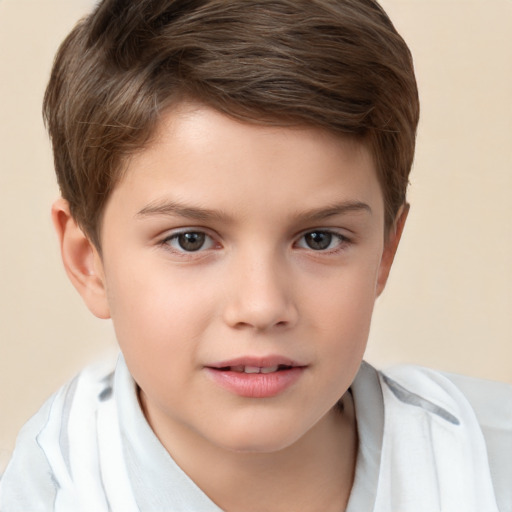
x,y
318,240
189,241
323,240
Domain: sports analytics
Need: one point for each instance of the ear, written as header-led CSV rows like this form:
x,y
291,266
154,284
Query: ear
x,y
81,260
390,247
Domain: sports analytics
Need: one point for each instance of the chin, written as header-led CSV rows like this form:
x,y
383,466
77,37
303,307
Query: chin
x,y
258,437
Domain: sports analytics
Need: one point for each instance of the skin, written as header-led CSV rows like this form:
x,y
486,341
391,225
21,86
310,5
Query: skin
x,y
255,288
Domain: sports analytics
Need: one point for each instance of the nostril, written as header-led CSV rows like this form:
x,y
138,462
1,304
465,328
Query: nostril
x,y
250,311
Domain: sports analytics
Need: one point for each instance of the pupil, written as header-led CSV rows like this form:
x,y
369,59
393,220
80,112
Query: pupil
x,y
191,241
318,240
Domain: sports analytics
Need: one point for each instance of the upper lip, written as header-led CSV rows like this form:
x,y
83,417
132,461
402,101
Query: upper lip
x,y
257,362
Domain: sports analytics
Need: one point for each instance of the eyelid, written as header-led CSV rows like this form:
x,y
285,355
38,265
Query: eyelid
x,y
341,235
175,233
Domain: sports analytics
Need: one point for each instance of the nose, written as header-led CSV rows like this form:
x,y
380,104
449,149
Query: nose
x,y
260,294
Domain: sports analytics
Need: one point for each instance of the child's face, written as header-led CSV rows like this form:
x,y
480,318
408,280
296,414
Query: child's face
x,y
231,245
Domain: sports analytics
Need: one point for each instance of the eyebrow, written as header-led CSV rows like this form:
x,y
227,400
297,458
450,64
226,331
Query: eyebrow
x,y
341,208
175,208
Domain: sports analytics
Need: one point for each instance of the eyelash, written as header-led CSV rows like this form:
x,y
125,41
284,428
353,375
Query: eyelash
x,y
167,242
342,241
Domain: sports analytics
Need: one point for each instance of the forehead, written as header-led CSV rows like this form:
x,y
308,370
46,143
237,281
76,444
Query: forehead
x,y
201,155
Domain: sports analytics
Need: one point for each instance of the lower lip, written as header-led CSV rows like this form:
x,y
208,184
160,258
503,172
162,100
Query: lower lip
x,y
256,385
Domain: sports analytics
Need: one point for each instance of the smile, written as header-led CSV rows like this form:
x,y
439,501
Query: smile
x,y
256,378
256,369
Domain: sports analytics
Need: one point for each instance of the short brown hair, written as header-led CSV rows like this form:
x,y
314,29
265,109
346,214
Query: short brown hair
x,y
336,64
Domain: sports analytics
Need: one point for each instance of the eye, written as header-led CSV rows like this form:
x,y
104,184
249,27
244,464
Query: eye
x,y
190,241
321,240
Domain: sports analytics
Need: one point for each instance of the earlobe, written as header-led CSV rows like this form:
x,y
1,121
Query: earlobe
x,y
81,260
391,246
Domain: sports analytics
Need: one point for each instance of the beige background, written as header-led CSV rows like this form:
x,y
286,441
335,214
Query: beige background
x,y
449,301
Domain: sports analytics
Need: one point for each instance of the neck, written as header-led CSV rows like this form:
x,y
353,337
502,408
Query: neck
x,y
315,473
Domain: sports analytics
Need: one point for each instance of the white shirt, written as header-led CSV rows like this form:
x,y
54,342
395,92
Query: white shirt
x,y
93,438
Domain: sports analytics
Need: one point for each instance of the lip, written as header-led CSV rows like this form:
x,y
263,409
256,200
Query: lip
x,y
260,362
256,385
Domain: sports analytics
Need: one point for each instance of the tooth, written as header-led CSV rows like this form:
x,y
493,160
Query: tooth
x,y
239,369
269,369
252,369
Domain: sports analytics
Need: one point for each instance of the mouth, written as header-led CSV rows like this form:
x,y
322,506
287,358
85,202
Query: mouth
x,y
254,369
252,364
256,377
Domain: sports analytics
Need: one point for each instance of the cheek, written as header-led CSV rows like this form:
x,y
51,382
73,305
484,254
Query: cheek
x,y
154,311
349,291
155,328
160,315
341,308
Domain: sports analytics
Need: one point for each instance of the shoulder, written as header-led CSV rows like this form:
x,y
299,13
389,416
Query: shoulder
x,y
492,404
23,489
490,401
483,395
29,481
445,395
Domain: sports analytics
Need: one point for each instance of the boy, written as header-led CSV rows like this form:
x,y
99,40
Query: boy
x,y
233,178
